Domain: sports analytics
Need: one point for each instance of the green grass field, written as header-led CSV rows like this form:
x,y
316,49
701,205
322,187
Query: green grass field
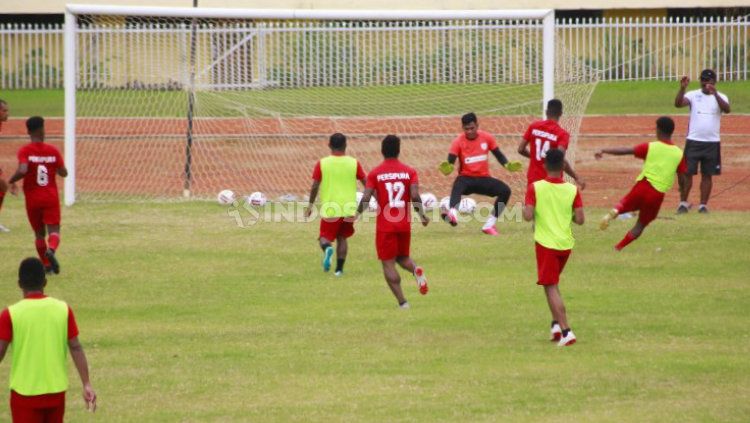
x,y
187,317
644,97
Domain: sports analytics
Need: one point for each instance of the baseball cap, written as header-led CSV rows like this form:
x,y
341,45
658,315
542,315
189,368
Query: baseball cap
x,y
708,74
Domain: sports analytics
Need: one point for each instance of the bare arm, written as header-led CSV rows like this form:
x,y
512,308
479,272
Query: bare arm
x,y
528,213
20,173
365,200
416,202
568,169
723,105
578,216
680,100
79,358
522,148
3,349
620,151
313,195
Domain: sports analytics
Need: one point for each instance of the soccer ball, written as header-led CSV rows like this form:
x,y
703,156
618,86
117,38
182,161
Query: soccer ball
x,y
257,199
429,201
445,203
467,205
226,197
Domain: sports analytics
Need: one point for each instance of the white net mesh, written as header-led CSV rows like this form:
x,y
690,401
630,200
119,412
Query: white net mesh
x,y
266,96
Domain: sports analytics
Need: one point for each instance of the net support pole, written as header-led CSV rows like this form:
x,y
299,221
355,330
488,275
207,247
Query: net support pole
x,y
71,71
548,59
188,174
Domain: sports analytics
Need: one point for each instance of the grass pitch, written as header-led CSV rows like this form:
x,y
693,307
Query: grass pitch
x,y
187,317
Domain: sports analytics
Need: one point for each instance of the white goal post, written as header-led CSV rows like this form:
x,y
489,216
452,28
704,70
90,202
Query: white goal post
x,y
74,57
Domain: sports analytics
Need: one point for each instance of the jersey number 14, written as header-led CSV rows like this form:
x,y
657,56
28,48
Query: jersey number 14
x,y
541,148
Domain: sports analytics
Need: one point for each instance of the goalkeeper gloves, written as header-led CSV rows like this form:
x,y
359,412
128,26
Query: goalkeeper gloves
x,y
513,166
445,168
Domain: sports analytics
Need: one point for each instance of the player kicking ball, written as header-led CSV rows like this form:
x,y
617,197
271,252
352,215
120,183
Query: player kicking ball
x,y
471,149
662,160
552,204
394,183
38,164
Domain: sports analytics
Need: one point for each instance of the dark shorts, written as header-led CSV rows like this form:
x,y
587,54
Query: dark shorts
x,y
491,187
642,197
708,154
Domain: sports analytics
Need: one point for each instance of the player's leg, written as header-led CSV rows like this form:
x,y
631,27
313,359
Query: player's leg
x,y
23,412
386,245
632,201
328,230
711,165
649,210
346,230
557,307
685,181
53,242
35,216
3,191
459,188
498,189
407,263
394,281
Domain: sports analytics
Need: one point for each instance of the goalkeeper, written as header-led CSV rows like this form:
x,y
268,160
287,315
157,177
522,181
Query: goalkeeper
x,y
471,149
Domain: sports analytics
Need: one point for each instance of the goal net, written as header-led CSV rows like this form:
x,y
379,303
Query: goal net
x,y
180,104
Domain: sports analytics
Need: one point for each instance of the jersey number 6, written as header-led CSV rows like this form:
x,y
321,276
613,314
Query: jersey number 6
x,y
42,175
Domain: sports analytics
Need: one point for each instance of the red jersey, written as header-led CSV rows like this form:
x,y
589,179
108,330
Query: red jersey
x,y
472,154
39,184
391,181
541,136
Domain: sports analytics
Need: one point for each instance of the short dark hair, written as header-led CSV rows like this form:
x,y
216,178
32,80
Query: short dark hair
x,y
337,141
555,159
665,125
34,123
31,275
391,146
708,74
554,107
468,118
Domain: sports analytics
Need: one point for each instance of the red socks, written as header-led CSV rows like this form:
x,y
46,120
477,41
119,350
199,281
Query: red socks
x,y
625,241
54,240
41,248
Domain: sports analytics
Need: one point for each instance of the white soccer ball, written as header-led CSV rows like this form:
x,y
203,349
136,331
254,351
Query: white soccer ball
x,y
429,201
467,205
226,197
445,203
257,199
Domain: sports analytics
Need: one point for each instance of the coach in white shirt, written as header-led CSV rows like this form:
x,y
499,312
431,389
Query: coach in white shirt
x,y
702,145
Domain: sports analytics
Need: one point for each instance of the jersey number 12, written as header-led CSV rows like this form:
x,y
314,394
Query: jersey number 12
x,y
395,194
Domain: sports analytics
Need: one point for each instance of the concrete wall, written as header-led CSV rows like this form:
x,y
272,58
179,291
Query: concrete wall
x,y
57,6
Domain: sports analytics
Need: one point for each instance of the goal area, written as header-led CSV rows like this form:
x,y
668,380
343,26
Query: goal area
x,y
173,103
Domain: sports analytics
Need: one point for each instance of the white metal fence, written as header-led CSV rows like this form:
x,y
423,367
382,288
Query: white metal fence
x,y
293,54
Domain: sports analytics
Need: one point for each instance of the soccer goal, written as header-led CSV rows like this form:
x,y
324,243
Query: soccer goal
x,y
170,103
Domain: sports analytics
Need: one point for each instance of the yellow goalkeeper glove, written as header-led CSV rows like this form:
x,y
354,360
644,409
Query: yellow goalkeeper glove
x,y
513,166
445,168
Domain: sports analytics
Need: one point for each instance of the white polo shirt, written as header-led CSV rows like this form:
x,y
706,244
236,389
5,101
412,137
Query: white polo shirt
x,y
705,116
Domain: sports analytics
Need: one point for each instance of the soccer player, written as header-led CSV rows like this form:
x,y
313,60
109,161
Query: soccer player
x,y
662,160
3,184
42,330
394,183
471,148
553,204
336,178
543,135
702,144
38,163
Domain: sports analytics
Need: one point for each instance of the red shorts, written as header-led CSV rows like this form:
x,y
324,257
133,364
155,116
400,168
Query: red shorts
x,y
392,244
549,264
332,228
38,408
644,197
40,215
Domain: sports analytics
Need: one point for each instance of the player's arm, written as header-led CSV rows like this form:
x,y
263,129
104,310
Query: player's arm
x,y
680,100
578,216
3,348
62,171
365,200
82,365
313,195
619,151
523,149
568,169
20,173
528,212
416,202
511,166
723,104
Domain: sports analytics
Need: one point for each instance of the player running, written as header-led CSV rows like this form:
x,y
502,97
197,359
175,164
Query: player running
x,y
542,136
662,160
336,178
38,163
471,148
553,204
394,183
3,184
